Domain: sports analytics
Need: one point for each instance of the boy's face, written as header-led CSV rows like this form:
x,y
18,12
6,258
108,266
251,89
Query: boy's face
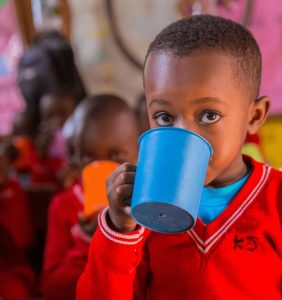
x,y
202,94
56,109
107,139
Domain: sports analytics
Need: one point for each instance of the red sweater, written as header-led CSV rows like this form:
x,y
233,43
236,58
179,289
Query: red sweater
x,y
14,215
46,171
237,256
66,246
17,279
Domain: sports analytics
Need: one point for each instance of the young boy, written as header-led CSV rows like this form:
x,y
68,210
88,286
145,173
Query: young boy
x,y
105,129
203,74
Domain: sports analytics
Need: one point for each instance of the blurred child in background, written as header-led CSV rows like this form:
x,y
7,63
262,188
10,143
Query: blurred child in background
x,y
48,65
23,141
104,129
54,108
47,74
16,236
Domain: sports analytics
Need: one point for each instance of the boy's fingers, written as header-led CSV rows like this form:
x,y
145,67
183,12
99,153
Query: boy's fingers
x,y
125,178
126,167
124,193
115,194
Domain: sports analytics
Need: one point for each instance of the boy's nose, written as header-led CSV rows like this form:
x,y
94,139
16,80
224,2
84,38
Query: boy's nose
x,y
186,125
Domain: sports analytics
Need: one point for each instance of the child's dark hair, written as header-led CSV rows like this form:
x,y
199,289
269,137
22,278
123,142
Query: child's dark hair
x,y
61,93
47,66
205,34
99,106
47,36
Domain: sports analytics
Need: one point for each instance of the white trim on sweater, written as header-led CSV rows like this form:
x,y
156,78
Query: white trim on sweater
x,y
77,190
205,246
117,237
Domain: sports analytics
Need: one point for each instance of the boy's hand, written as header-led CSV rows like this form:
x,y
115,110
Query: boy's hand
x,y
119,192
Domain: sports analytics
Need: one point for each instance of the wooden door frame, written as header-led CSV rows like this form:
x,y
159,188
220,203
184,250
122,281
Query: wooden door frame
x,y
25,20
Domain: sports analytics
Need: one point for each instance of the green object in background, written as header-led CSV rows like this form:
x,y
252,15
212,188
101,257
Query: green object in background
x,y
271,140
253,150
2,3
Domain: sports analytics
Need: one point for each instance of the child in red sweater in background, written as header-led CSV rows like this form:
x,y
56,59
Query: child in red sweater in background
x,y
17,279
54,108
23,140
203,74
105,129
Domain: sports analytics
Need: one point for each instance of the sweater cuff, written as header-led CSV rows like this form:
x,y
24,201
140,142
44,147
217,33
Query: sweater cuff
x,y
132,238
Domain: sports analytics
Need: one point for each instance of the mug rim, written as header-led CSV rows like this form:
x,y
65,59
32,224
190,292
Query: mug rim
x,y
167,128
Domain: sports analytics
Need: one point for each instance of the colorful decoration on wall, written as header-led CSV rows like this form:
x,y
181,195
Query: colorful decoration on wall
x,y
2,3
215,7
11,101
254,151
47,14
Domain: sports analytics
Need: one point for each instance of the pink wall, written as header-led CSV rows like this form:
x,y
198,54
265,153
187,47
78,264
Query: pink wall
x,y
11,101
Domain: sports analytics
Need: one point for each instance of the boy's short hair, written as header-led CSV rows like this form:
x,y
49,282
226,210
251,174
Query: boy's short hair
x,y
203,34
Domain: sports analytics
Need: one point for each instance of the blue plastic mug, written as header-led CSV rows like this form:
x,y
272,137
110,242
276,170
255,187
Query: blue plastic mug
x,y
171,171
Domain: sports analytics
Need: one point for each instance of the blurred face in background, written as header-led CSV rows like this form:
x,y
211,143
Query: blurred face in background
x,y
55,109
111,137
23,125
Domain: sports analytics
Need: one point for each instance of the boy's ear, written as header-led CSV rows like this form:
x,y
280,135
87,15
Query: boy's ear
x,y
258,114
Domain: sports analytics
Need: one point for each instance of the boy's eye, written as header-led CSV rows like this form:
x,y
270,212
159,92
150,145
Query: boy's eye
x,y
209,117
164,119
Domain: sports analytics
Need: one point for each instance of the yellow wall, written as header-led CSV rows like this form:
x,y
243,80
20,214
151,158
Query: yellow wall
x,y
271,137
